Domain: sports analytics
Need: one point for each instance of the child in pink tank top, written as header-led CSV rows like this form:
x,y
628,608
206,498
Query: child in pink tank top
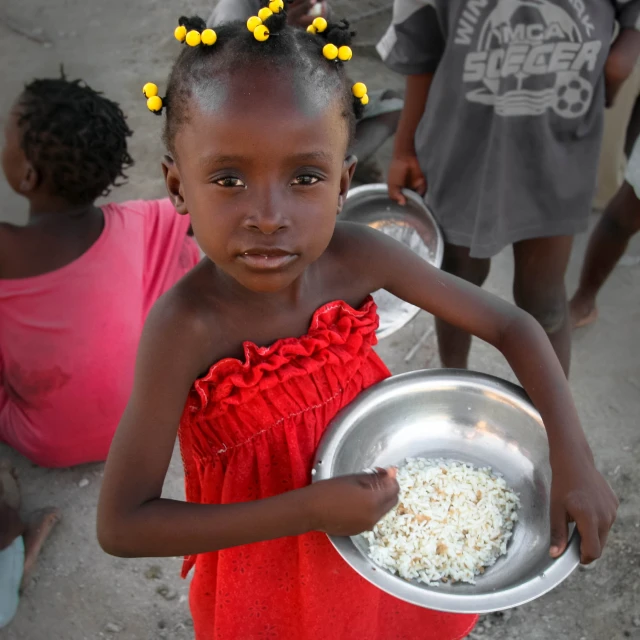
x,y
76,282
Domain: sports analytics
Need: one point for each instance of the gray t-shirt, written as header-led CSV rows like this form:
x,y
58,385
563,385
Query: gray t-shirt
x,y
510,139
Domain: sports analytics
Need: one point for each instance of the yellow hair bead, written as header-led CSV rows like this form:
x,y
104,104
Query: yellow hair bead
x,y
364,100
154,103
330,51
209,37
320,24
275,6
359,89
264,13
253,22
149,90
261,33
312,29
193,38
345,54
180,33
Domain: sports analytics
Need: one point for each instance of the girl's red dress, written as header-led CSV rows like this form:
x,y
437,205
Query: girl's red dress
x,y
249,431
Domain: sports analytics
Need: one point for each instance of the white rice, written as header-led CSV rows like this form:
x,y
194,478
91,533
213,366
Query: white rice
x,y
452,522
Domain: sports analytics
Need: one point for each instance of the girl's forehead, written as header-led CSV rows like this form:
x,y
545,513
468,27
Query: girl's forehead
x,y
260,116
272,88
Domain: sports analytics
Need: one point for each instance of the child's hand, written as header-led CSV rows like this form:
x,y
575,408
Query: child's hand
x,y
349,505
580,494
621,62
405,172
616,71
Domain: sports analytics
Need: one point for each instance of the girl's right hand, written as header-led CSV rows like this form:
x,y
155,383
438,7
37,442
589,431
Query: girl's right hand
x,y
350,505
405,172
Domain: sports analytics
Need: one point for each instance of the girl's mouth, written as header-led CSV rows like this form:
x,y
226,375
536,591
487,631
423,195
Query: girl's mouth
x,y
267,259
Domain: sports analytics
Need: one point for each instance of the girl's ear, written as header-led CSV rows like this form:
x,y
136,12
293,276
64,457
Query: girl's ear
x,y
30,179
348,169
174,184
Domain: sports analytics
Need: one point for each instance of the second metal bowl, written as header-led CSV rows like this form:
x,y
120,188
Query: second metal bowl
x,y
413,225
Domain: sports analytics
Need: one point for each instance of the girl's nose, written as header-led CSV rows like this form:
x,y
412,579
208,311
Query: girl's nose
x,y
267,217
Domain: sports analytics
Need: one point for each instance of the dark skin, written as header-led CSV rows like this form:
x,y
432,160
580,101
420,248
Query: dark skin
x,y
263,182
540,263
609,240
57,232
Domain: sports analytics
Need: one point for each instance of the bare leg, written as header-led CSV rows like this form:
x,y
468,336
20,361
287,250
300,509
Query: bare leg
x,y
40,525
453,343
538,287
633,129
609,240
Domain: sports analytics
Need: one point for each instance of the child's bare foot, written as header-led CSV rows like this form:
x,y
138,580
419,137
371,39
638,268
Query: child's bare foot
x,y
583,311
39,526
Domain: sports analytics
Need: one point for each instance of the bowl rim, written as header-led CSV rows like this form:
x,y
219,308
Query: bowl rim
x,y
498,600
380,188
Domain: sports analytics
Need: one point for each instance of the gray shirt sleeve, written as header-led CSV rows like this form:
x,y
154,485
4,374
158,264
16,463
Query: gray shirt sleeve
x,y
628,13
414,42
233,10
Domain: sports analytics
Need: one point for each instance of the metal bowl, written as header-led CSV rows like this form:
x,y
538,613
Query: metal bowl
x,y
413,225
469,417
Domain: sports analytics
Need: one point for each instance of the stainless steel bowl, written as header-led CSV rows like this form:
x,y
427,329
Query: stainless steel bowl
x,y
413,225
468,417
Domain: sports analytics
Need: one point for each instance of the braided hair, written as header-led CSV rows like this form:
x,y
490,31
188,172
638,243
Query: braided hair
x,y
75,138
235,45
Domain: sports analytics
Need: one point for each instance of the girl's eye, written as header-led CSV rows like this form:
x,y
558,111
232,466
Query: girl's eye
x,y
230,182
306,180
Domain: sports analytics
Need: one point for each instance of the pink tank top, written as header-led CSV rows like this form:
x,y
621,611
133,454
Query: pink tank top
x,y
68,339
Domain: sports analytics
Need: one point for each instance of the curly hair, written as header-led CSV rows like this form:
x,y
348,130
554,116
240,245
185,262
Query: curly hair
x,y
290,48
75,138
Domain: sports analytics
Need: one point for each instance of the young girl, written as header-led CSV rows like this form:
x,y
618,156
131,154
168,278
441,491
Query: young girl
x,y
76,282
253,353
503,119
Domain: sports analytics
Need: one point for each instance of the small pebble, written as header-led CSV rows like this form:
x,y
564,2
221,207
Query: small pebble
x,y
627,634
154,572
188,622
113,628
166,593
38,31
83,483
636,621
162,624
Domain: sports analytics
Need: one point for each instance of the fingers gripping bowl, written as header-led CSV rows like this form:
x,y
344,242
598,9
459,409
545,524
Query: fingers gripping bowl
x,y
464,417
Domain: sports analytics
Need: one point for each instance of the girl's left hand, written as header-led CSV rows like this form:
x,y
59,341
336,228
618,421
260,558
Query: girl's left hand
x,y
580,494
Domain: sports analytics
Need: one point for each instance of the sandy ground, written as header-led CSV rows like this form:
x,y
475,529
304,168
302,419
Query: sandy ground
x,y
79,593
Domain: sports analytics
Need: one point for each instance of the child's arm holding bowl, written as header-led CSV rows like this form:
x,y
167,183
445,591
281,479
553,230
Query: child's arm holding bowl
x,y
133,518
579,492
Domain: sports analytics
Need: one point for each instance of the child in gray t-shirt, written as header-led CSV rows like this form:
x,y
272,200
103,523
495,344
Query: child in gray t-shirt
x,y
503,121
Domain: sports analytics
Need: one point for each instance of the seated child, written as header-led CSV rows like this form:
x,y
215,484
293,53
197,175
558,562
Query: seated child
x,y
76,282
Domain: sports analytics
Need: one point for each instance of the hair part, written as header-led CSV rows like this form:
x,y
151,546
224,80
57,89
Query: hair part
x,y
287,48
75,138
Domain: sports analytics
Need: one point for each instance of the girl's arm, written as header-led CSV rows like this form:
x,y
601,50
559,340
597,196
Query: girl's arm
x,y
578,492
133,518
404,170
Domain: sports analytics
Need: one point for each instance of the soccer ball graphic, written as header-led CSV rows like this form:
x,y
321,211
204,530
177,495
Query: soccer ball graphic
x,y
573,98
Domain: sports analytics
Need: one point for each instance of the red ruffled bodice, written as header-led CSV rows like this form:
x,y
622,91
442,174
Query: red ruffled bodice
x,y
250,430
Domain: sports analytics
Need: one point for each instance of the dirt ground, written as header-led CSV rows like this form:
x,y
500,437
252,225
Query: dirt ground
x,y
79,593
